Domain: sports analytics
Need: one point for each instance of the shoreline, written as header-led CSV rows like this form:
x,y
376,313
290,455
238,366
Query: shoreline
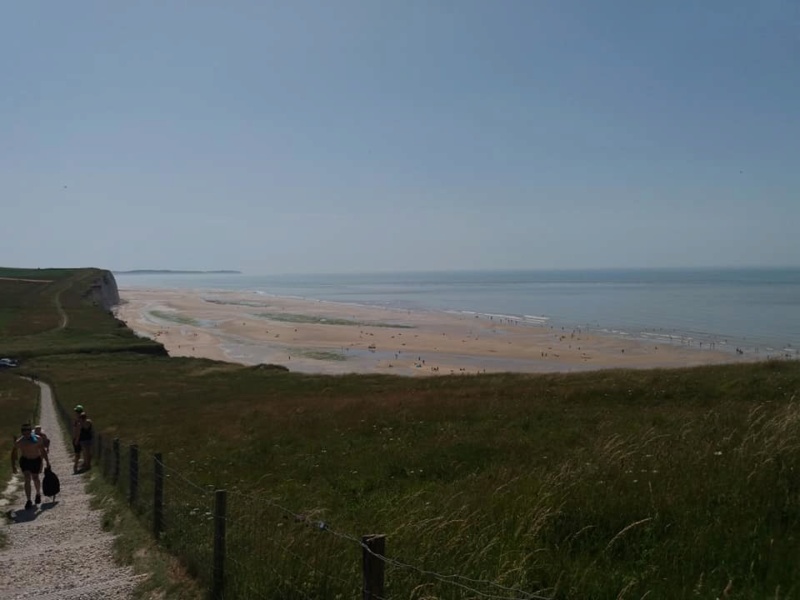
x,y
320,336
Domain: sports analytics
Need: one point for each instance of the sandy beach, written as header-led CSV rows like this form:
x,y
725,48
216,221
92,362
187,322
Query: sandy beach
x,y
326,337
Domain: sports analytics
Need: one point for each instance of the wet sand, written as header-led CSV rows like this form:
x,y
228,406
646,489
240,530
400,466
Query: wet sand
x,y
326,337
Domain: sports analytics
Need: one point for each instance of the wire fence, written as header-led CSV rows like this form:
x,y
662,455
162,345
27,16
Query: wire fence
x,y
240,545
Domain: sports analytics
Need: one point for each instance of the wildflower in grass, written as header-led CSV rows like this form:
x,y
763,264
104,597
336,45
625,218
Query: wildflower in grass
x,y
718,453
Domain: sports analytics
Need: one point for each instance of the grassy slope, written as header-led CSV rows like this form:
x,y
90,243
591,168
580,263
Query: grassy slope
x,y
527,480
22,311
30,320
602,485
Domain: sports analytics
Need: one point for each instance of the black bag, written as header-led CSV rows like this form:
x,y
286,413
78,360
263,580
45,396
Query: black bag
x,y
50,484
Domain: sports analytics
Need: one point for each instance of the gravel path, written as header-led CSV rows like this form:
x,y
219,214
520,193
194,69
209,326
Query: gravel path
x,y
60,551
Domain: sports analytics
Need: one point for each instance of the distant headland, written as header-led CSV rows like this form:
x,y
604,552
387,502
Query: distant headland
x,y
173,272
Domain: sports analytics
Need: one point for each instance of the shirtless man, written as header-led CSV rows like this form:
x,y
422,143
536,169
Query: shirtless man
x,y
33,451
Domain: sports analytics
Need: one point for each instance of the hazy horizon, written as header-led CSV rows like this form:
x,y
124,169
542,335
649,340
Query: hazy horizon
x,y
370,136
467,270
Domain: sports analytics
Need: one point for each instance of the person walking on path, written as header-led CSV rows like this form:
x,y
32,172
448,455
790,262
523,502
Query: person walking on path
x,y
76,433
60,551
85,439
30,463
44,437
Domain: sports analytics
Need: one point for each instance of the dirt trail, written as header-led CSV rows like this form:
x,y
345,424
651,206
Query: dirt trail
x,y
61,313
60,551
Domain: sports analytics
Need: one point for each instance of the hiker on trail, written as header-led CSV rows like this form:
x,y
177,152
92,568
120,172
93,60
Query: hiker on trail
x,y
30,463
76,435
85,438
37,431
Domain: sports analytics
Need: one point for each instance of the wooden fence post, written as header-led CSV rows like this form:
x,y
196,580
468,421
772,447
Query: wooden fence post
x,y
220,501
134,472
116,460
373,566
158,495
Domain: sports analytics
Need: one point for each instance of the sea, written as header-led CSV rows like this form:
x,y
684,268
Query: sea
x,y
750,310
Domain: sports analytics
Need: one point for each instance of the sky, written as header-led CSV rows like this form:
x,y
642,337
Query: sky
x,y
340,136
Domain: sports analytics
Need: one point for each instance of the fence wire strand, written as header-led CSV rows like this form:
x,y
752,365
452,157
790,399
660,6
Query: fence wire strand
x,y
188,519
453,579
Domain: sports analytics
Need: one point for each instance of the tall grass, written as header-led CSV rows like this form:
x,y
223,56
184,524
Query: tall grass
x,y
669,484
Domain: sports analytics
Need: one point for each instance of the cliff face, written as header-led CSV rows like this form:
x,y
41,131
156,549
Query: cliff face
x,y
103,290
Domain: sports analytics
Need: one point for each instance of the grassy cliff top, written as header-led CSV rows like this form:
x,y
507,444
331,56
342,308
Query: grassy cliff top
x,y
50,311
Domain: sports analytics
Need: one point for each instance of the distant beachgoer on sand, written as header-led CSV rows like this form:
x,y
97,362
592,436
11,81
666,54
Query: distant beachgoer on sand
x,y
76,432
85,438
30,463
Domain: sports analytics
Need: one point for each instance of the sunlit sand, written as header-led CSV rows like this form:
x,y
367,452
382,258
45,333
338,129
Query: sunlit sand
x,y
325,337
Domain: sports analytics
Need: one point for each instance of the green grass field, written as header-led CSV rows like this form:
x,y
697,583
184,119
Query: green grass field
x,y
23,310
614,484
46,274
30,319
580,485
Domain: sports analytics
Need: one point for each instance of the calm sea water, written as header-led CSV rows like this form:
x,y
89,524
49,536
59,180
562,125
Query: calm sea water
x,y
747,308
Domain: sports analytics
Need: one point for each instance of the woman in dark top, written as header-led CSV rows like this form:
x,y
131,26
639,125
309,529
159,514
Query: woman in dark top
x,y
85,438
76,431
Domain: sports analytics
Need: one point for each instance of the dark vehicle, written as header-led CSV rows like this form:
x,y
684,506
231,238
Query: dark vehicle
x,y
8,363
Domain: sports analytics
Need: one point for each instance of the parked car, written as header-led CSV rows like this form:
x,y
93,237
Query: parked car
x,y
7,363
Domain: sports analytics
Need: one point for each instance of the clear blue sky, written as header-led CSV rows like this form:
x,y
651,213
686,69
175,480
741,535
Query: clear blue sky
x,y
343,135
